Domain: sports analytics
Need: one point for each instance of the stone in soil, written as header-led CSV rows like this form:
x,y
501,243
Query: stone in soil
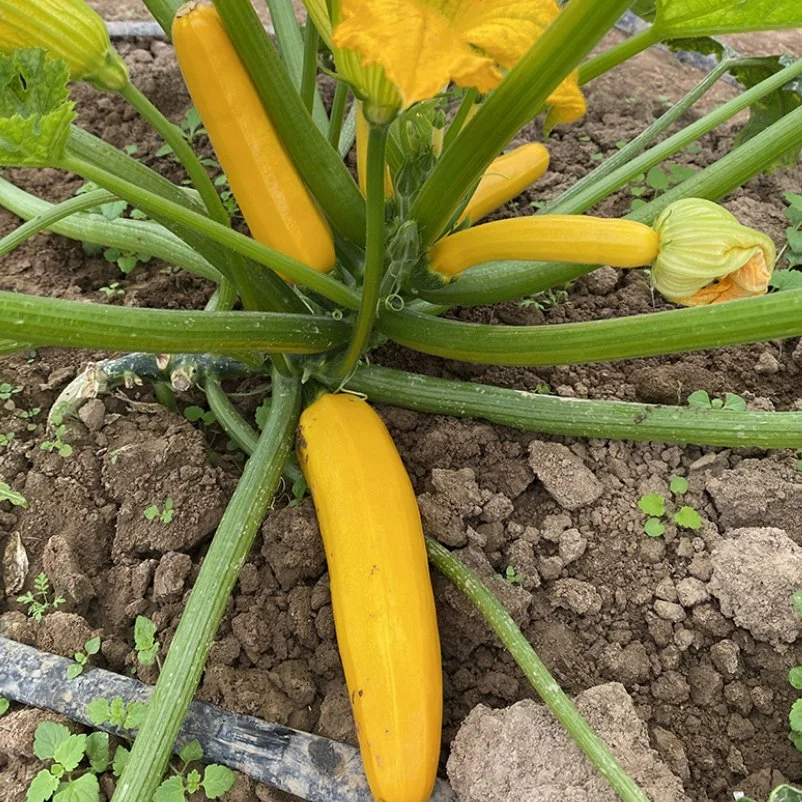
x,y
564,475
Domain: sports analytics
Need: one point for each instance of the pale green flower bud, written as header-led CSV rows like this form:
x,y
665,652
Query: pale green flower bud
x,y
700,243
66,29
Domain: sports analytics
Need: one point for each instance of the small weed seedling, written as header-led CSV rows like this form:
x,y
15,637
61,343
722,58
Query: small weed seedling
x,y
57,444
543,301
147,647
39,601
653,505
29,415
7,494
700,399
214,781
4,705
512,576
659,180
113,290
92,646
8,390
196,414
67,778
116,713
6,439
165,515
795,678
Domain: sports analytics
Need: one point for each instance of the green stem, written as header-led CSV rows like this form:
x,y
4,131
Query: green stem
x,y
67,219
576,417
735,323
200,620
112,160
501,281
556,701
154,205
291,45
512,105
374,252
597,65
163,12
309,75
460,117
338,113
248,289
621,168
76,324
315,159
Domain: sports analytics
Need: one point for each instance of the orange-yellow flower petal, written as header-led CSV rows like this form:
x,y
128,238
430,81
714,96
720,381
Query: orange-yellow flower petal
x,y
423,45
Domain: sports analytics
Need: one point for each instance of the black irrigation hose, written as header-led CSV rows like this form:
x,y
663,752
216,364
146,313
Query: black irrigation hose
x,y
309,766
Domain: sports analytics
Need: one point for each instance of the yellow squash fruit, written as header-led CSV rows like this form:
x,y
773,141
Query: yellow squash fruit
x,y
381,593
506,177
274,201
557,238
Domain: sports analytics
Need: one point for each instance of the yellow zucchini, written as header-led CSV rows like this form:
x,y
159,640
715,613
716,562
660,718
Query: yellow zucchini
x,y
550,237
508,176
274,201
381,592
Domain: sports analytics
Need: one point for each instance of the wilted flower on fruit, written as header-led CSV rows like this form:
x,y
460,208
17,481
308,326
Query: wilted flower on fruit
x,y
66,29
706,256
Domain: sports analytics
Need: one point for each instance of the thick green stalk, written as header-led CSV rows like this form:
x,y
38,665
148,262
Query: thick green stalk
x,y
316,160
734,323
556,701
374,252
512,105
200,620
459,118
291,46
309,73
576,417
338,113
619,53
624,166
75,324
501,281
112,160
163,12
141,236
245,281
156,206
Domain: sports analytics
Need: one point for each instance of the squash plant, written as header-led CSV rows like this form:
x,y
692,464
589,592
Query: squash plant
x,y
336,266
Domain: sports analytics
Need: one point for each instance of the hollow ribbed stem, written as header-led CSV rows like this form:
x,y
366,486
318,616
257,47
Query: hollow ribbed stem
x,y
321,283
616,55
163,11
338,113
460,117
190,646
556,701
575,417
374,251
76,324
309,74
734,323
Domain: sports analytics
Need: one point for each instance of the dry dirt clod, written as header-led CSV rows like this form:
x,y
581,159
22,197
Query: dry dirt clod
x,y
564,475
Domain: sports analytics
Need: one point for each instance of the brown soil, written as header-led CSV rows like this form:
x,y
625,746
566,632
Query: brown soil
x,y
702,646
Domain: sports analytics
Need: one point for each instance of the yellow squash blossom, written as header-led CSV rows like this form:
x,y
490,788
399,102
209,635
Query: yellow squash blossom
x,y
66,29
700,243
420,46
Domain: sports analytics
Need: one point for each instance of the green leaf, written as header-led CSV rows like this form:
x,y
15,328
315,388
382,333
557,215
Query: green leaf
x,y
144,631
121,756
49,734
652,504
193,781
17,499
734,402
194,413
171,790
4,705
42,787
217,780
70,752
98,711
654,527
191,751
35,110
699,399
786,793
677,18
117,711
97,750
85,789
687,518
657,179
679,485
796,601
74,670
136,715
92,646
786,280
794,237
151,512
795,677
795,716
794,210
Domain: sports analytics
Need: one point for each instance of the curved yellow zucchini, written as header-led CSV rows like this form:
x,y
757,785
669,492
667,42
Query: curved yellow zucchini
x,y
381,593
274,201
